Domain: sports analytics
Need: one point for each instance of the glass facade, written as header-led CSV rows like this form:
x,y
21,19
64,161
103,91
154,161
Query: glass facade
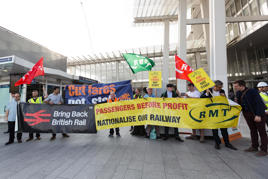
x,y
235,8
5,97
243,62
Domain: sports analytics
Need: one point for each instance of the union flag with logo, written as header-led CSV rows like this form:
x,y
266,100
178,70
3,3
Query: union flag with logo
x,y
182,69
37,70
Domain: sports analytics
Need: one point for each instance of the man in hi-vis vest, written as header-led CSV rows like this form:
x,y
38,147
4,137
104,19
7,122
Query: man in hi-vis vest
x,y
263,89
36,100
112,98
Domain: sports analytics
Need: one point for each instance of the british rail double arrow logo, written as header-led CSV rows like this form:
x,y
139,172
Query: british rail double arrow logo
x,y
37,117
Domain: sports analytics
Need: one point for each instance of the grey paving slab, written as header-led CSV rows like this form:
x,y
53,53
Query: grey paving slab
x,y
133,174
92,156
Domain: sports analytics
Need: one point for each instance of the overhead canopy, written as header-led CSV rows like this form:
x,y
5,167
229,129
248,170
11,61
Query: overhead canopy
x,y
150,52
153,11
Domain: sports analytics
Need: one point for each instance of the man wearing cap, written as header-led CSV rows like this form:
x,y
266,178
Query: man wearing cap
x,y
170,93
263,89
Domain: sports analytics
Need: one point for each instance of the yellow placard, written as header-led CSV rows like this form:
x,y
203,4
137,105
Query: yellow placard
x,y
155,79
201,80
192,113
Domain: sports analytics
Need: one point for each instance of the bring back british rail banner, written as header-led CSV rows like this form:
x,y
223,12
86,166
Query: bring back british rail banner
x,y
45,118
192,113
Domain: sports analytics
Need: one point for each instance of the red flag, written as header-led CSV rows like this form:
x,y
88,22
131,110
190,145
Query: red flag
x,y
182,69
37,70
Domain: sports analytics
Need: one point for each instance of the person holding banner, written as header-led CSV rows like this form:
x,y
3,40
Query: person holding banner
x,y
11,116
36,100
112,98
170,93
55,98
150,94
209,93
137,130
193,93
253,110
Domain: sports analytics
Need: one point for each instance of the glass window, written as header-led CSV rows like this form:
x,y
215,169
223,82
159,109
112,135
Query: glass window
x,y
236,29
247,13
103,72
263,7
232,8
93,74
228,12
254,8
237,5
4,96
244,2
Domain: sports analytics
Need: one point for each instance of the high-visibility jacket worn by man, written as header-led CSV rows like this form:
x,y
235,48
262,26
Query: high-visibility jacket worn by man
x,y
35,100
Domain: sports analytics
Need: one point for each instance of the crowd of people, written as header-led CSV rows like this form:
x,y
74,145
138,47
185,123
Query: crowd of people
x,y
254,108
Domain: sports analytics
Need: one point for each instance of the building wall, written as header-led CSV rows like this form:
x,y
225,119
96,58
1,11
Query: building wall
x,y
14,44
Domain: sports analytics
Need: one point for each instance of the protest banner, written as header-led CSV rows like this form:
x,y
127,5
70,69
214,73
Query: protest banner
x,y
45,118
201,80
155,79
189,113
97,93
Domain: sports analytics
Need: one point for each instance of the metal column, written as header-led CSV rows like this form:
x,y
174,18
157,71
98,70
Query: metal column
x,y
165,67
218,59
182,10
117,70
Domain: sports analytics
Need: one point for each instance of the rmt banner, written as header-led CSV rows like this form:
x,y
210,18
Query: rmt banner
x,y
45,118
97,93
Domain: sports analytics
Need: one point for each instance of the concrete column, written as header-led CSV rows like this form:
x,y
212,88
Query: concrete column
x,y
182,10
46,86
60,87
23,93
165,64
218,59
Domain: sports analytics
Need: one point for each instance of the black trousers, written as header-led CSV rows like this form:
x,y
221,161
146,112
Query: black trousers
x,y
31,135
11,129
176,132
54,134
224,134
267,120
116,130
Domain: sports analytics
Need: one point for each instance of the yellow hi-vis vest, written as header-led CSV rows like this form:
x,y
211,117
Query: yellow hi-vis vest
x,y
38,100
265,99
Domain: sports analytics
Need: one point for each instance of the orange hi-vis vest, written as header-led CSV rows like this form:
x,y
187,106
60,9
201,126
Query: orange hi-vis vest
x,y
115,100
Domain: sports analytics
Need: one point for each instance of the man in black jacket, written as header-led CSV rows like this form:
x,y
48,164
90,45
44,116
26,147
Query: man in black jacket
x,y
209,93
170,93
253,110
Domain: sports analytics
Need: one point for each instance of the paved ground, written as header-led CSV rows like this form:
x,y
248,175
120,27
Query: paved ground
x,y
98,156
